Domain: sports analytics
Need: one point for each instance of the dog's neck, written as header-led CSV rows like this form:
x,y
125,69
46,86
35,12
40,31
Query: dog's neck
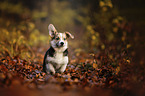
x,y
60,50
53,51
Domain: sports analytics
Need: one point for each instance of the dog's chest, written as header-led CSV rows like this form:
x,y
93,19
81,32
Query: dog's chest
x,y
59,58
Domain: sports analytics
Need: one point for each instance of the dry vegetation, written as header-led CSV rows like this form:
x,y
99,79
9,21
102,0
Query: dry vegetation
x,y
103,57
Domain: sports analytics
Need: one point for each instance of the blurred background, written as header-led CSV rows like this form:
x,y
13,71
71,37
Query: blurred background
x,y
95,23
109,35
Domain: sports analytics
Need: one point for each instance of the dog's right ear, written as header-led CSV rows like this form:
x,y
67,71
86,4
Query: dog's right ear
x,y
52,30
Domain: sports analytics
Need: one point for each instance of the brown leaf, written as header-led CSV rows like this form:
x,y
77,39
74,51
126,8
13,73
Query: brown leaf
x,y
95,65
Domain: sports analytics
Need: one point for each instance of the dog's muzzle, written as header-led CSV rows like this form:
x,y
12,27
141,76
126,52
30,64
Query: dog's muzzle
x,y
60,44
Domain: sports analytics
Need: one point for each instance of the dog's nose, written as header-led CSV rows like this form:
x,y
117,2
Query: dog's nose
x,y
62,43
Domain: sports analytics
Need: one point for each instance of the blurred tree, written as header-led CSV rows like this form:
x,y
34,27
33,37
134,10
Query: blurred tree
x,y
96,16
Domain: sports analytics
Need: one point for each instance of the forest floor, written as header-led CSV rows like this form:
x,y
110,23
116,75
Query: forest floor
x,y
109,72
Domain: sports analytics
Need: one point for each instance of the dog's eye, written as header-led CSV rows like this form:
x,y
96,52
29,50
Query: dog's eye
x,y
57,38
64,38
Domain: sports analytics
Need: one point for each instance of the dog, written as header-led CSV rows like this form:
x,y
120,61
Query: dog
x,y
56,57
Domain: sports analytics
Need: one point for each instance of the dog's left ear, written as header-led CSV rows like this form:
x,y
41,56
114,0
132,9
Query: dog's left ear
x,y
69,35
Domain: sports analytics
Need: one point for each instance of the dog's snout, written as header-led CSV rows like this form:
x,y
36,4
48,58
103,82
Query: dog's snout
x,y
62,43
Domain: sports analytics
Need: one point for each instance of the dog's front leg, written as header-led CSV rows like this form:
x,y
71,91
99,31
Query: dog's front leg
x,y
50,68
62,69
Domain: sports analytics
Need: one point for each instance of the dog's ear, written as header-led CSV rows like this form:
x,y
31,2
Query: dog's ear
x,y
52,30
69,35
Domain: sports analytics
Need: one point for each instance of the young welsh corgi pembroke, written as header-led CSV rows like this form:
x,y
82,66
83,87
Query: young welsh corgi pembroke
x,y
56,57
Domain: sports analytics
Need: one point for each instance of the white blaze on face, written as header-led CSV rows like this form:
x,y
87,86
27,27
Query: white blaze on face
x,y
61,43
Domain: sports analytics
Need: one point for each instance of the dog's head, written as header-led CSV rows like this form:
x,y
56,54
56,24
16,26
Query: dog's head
x,y
58,40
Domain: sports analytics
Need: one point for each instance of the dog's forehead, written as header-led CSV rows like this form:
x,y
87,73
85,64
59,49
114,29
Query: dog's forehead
x,y
62,35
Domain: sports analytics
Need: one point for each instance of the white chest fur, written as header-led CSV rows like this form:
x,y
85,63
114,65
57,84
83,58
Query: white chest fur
x,y
58,59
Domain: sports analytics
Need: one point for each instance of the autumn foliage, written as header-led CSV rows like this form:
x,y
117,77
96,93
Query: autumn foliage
x,y
105,56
